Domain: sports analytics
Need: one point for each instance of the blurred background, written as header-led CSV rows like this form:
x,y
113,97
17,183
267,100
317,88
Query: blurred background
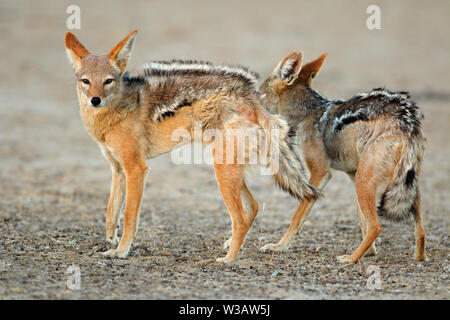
x,y
410,51
54,179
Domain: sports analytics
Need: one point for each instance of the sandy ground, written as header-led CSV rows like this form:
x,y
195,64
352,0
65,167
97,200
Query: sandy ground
x,y
54,182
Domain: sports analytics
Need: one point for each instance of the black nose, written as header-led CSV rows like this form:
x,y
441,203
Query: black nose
x,y
96,101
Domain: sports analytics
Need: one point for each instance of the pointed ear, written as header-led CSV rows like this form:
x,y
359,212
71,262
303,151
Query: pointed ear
x,y
288,69
311,69
120,54
75,50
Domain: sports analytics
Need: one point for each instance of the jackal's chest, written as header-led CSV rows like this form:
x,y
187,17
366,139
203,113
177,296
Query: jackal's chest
x,y
98,121
91,127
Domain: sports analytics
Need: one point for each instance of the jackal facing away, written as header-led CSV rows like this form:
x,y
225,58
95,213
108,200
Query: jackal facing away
x,y
374,137
132,118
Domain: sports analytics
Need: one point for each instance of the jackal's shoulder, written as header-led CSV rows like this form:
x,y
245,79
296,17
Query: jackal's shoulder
x,y
177,83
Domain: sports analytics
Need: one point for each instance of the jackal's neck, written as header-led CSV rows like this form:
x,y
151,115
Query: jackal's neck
x,y
306,103
314,100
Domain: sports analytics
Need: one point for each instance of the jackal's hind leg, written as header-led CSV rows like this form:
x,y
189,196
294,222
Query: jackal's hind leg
x,y
250,207
362,223
420,254
230,178
366,193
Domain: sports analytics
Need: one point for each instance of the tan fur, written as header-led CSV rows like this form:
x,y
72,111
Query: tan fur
x,y
128,133
370,152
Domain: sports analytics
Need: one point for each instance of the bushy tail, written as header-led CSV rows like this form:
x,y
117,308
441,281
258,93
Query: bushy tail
x,y
289,169
397,202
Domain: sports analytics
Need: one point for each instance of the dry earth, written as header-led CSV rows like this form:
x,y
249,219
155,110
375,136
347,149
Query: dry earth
x,y
54,182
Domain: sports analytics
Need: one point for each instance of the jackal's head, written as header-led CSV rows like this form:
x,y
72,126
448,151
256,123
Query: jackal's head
x,y
98,76
289,82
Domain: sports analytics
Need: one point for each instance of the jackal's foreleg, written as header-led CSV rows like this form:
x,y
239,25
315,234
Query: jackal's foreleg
x,y
319,178
116,199
135,171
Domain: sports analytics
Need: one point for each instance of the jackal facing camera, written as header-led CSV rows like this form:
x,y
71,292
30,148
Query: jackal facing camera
x,y
132,118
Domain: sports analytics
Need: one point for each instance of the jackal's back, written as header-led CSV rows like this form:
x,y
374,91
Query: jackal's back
x,y
398,115
396,107
171,85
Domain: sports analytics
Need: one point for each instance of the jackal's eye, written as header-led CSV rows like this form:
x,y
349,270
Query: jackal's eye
x,y
85,81
108,81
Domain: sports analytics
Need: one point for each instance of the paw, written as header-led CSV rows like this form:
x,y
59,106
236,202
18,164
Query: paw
x,y
226,244
113,240
273,247
226,259
114,253
371,252
422,257
345,259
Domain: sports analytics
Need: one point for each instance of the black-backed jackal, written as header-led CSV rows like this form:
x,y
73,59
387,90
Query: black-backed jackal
x,y
374,137
133,117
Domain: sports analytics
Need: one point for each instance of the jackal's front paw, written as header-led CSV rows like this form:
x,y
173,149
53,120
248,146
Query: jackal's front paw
x,y
372,251
345,259
273,247
226,244
114,253
113,240
421,257
226,259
